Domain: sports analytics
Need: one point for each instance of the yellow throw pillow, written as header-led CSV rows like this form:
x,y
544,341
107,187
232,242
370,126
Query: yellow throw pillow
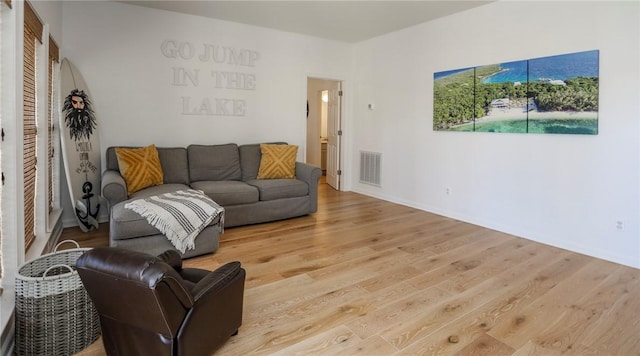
x,y
140,167
278,161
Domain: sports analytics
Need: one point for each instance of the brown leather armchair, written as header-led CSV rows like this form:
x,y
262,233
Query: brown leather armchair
x,y
152,306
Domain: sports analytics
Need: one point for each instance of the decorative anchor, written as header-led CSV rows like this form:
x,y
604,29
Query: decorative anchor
x,y
83,212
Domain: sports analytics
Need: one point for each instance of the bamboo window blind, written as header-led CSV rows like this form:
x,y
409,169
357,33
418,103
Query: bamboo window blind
x,y
32,33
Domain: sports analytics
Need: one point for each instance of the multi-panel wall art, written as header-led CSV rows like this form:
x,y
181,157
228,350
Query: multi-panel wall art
x,y
557,95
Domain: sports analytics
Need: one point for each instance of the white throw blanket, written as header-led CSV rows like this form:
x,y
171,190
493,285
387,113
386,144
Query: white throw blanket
x,y
179,215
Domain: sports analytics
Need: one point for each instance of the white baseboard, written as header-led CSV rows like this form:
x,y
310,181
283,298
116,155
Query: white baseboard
x,y
72,222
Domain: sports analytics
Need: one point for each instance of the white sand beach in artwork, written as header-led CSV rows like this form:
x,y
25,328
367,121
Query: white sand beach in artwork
x,y
519,113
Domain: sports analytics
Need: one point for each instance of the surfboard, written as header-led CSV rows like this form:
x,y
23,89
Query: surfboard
x,y
80,146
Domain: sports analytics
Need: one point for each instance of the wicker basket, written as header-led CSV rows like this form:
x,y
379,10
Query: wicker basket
x,y
54,314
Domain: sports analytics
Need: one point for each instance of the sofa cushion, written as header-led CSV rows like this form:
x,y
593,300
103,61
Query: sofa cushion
x,y
250,156
126,223
278,161
140,167
214,162
174,164
273,189
228,192
157,190
175,167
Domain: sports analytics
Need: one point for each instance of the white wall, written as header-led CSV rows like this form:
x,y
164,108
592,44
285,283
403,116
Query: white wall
x,y
562,190
50,13
118,49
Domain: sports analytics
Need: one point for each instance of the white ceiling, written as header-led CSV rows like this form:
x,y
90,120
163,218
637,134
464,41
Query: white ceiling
x,y
347,21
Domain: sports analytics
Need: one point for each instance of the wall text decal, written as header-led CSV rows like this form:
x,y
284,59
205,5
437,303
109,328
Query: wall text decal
x,y
224,82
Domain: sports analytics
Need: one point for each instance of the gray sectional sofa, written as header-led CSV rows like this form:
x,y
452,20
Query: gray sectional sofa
x,y
227,174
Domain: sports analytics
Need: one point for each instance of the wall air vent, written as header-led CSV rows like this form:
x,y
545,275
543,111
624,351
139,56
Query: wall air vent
x,y
370,167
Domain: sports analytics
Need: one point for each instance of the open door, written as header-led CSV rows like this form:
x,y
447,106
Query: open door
x,y
333,135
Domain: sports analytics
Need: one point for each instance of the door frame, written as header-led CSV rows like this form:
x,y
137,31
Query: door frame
x,y
313,127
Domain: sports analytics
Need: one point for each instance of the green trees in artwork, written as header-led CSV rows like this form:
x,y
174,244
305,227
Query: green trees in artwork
x,y
453,104
579,94
454,100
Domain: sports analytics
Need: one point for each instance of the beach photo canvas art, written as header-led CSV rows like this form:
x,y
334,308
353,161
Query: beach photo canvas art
x,y
555,95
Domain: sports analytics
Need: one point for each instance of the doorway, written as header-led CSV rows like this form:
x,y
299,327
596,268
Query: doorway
x,y
324,113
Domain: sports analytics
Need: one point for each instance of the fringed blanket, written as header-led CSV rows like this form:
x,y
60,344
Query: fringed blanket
x,y
179,215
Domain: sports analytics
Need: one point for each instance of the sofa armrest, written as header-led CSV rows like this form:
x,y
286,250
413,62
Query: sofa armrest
x,y
114,188
310,175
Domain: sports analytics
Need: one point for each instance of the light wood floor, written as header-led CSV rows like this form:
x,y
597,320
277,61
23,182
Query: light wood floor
x,y
368,277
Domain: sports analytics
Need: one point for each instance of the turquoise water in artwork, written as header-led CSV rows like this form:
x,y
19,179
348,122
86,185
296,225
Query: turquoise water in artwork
x,y
561,67
446,73
542,126
511,72
514,126
564,126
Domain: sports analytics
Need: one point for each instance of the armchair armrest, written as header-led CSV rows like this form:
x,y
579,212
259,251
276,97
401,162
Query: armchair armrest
x,y
217,309
172,258
114,188
216,280
310,175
